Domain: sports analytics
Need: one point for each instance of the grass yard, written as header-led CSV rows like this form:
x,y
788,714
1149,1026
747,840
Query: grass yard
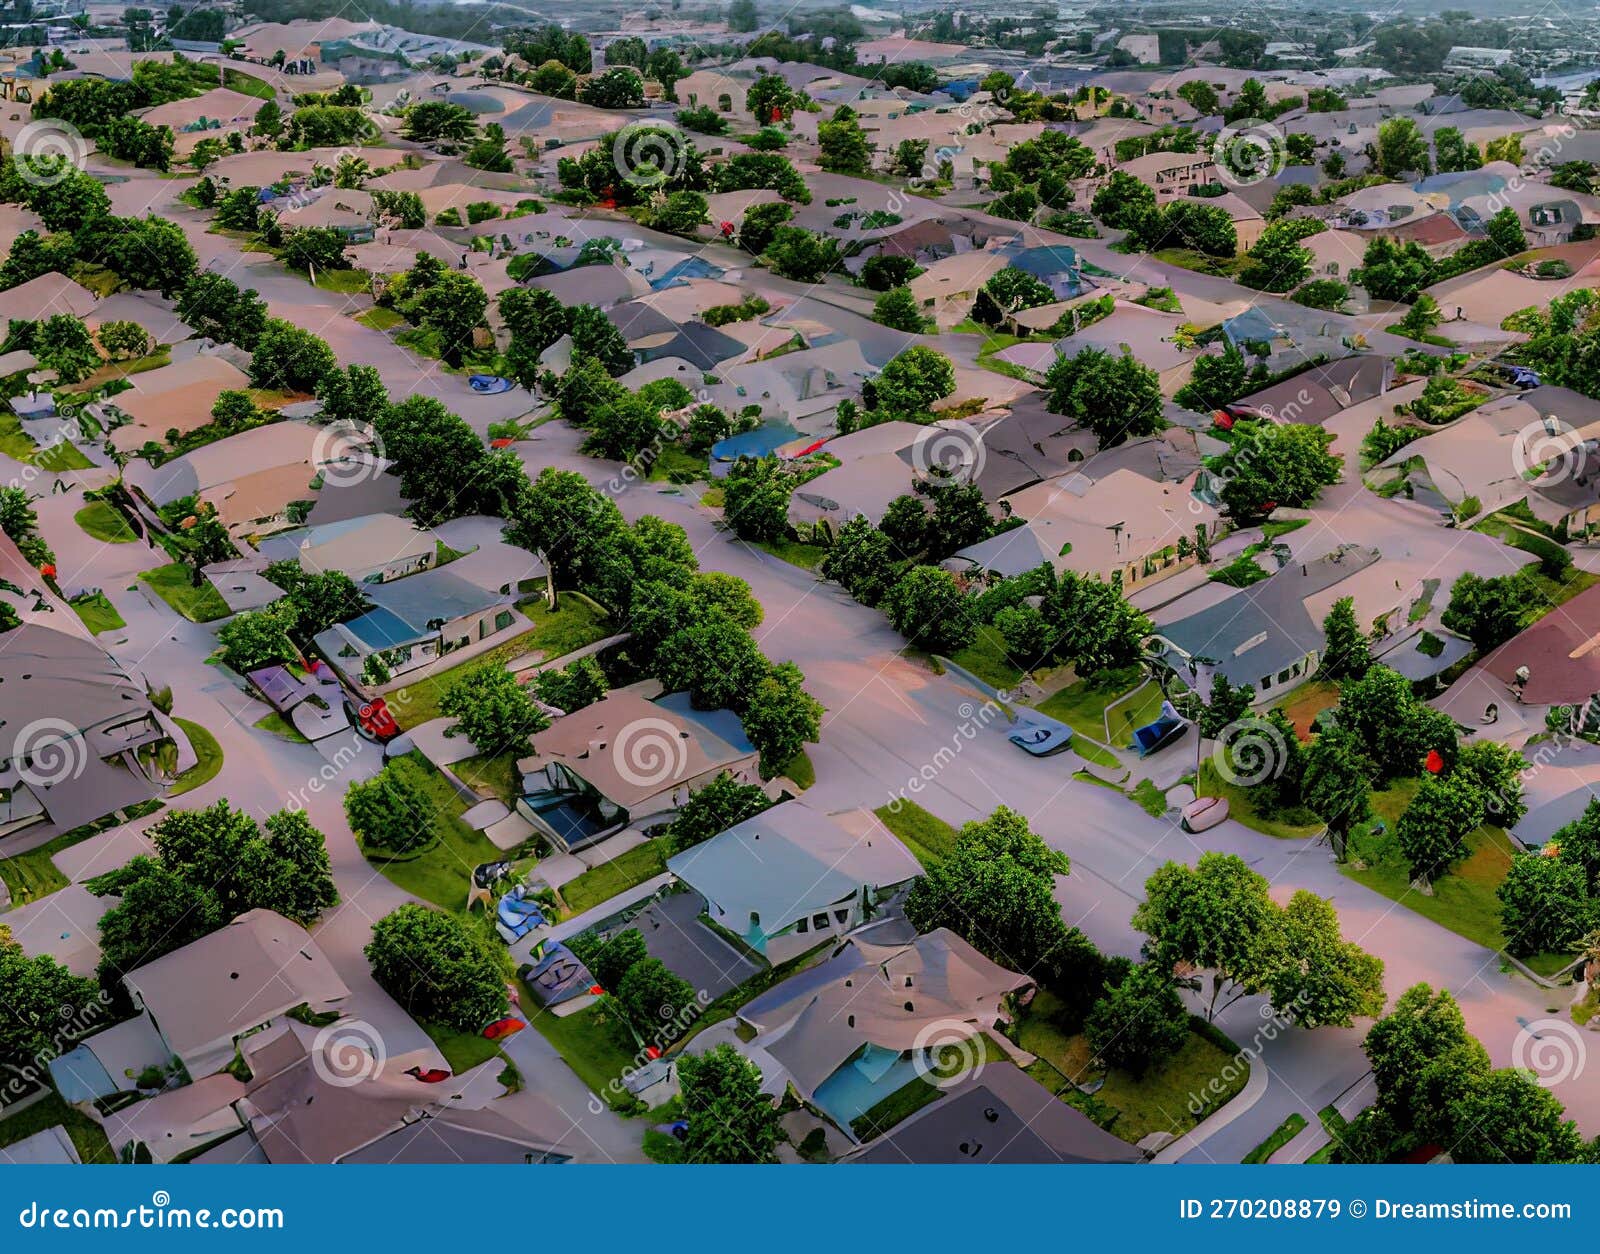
x,y
209,755
491,775
800,770
281,727
986,658
1307,701
111,371
247,84
591,1041
678,465
605,881
17,443
344,282
105,523
1082,705
87,1136
441,873
930,839
805,556
462,1050
174,584
98,614
578,622
1127,1107
380,318
32,875
1291,825
1281,1136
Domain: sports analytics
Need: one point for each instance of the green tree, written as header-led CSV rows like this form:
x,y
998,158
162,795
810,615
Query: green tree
x,y
436,968
1508,1117
289,358
1122,201
390,811
492,709
1402,148
1394,728
1321,979
802,255
760,223
721,804
580,683
610,958
44,1001
1545,904
1345,654
1394,271
1335,784
842,145
862,560
1118,398
714,659
1270,464
910,382
756,498
1490,609
770,99
899,310
429,121
929,609
1140,1023
453,309
780,717
1432,831
730,1119
258,638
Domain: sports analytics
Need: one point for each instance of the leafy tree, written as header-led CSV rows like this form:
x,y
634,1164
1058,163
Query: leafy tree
x,y
609,959
1006,292
1335,784
453,309
1496,771
1508,1117
616,88
1394,271
1423,1059
756,498
1250,101
429,121
318,599
1270,464
1345,654
1117,398
489,153
354,394
577,532
157,911
1140,1023
1278,261
1218,379
802,255
1432,831
578,684
627,429
770,99
1096,629
258,638
1322,979
390,810
44,1001
658,1003
436,968
1202,95
901,311
747,171
1395,729
730,1119
269,120
910,382
290,358
929,609
595,335
780,718
1545,904
1490,609
880,272
680,213
215,306
910,156
714,659
1452,153
1504,231
151,254
721,804
1122,201
842,145
123,340
492,709
862,560
1402,148
996,889
1217,915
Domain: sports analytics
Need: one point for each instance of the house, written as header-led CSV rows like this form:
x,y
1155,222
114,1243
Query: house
x,y
624,760
858,1027
876,466
1263,635
792,877
251,478
1172,173
997,1115
239,979
1555,661
48,295
77,732
177,398
372,548
1313,396
416,621
1120,524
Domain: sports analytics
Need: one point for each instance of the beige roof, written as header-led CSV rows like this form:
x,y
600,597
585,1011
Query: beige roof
x,y
177,396
45,296
220,104
238,977
595,743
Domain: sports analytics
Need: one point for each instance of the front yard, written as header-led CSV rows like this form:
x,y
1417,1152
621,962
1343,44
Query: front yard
x,y
174,584
929,838
623,872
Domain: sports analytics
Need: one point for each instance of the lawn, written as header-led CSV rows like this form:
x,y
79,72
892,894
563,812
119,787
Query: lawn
x,y
678,465
247,84
18,444
800,770
174,584
555,633
380,318
491,775
1281,1136
1083,706
986,658
98,613
440,874
805,556
930,839
344,282
209,755
105,523
591,1042
33,874
1297,824
462,1050
87,1136
605,881
1127,1107
277,725
111,371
